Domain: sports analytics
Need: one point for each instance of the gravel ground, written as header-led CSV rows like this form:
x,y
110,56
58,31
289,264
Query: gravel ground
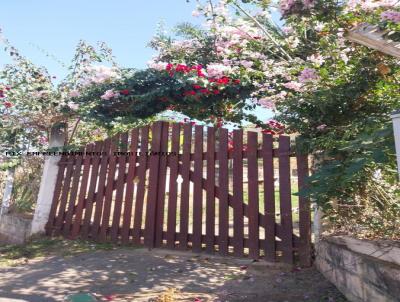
x,y
128,274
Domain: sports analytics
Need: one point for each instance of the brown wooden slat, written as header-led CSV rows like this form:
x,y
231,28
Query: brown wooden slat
x,y
64,198
76,177
184,210
238,215
119,190
56,199
95,160
197,189
223,182
108,198
162,177
149,233
285,198
173,186
141,182
210,190
101,190
269,198
130,186
261,217
253,195
304,212
82,192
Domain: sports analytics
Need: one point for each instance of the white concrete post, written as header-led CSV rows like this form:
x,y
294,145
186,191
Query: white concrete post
x,y
317,224
48,183
5,204
396,130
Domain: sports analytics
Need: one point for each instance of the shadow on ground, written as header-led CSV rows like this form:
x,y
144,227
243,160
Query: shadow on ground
x,y
128,274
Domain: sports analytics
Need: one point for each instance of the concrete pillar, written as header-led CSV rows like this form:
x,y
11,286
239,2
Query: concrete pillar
x,y
5,204
48,182
396,130
317,224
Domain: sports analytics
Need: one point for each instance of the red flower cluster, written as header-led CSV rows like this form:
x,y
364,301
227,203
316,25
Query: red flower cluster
x,y
184,69
190,92
200,90
276,127
124,92
8,104
268,131
225,81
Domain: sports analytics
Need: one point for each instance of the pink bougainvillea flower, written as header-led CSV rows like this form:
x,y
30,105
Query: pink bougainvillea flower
x,y
74,94
294,86
308,3
109,94
73,106
216,91
43,140
8,87
246,64
308,75
390,15
286,5
267,103
197,87
321,127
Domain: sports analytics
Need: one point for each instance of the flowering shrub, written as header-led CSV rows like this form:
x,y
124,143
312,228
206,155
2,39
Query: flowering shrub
x,y
30,103
189,89
337,94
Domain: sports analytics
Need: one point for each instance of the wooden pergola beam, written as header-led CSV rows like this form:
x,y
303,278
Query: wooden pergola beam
x,y
372,36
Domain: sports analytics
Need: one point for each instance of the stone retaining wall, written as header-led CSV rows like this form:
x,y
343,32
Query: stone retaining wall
x,y
364,271
14,229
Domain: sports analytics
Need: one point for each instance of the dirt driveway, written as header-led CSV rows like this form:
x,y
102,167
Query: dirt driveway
x,y
127,274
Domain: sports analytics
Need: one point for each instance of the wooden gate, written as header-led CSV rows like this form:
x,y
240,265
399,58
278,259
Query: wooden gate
x,y
185,186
